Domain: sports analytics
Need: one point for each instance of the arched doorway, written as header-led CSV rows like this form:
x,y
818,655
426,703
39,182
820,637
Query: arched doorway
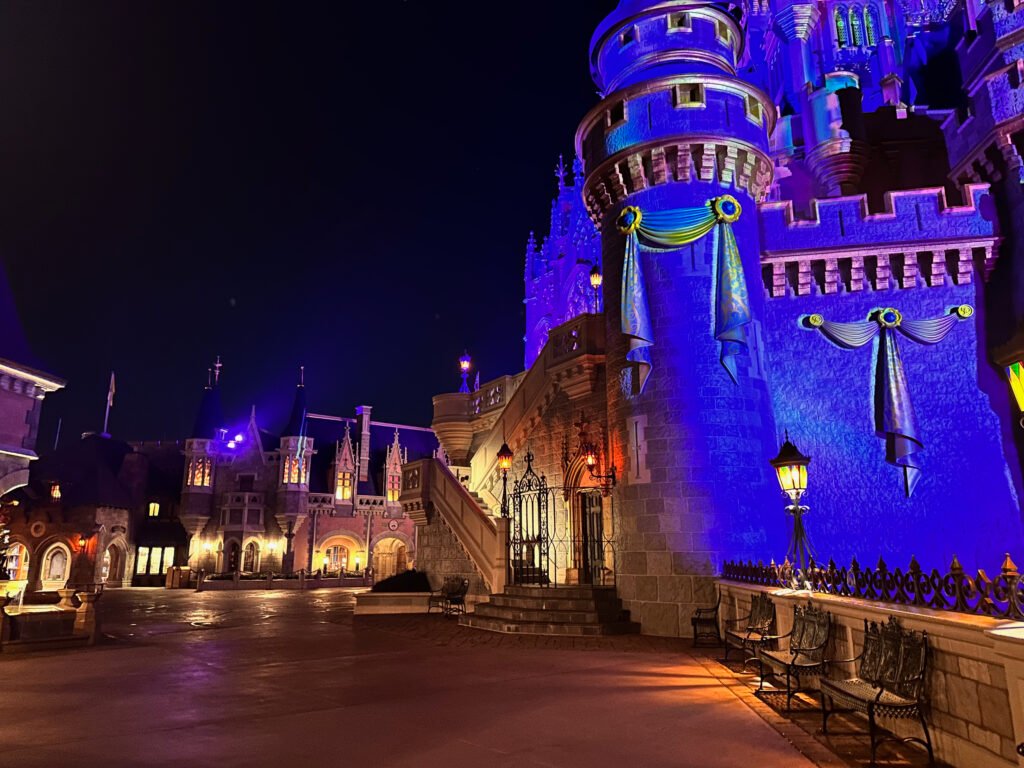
x,y
588,536
112,571
339,554
390,556
232,556
56,567
17,562
251,558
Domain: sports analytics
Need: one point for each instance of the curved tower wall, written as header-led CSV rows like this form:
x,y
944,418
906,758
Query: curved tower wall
x,y
675,128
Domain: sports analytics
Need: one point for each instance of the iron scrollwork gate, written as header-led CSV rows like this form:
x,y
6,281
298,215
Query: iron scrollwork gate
x,y
530,545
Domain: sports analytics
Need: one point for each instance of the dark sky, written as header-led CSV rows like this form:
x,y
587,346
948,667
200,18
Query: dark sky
x,y
281,184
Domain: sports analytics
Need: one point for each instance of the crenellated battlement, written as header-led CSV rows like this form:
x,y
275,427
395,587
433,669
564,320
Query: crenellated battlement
x,y
917,240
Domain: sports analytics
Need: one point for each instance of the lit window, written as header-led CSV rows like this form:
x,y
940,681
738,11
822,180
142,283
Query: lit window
x,y
336,558
688,95
856,27
722,32
200,472
679,21
17,562
753,109
841,36
394,487
142,560
154,509
291,470
55,491
343,488
871,25
617,114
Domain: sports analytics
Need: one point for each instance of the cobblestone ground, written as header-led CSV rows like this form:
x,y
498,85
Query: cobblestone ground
x,y
293,679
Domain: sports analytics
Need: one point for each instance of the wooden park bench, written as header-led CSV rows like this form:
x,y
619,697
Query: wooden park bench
x,y
805,655
890,682
705,624
753,630
451,598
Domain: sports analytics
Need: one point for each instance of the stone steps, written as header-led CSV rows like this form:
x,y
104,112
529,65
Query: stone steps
x,y
555,629
574,611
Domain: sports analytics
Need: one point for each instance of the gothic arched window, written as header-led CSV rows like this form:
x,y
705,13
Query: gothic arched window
x,y
856,27
841,36
871,25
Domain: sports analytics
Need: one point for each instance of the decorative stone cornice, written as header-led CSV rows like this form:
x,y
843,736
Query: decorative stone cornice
x,y
682,159
795,22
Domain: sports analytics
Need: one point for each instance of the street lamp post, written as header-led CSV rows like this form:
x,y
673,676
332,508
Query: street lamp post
x,y
464,365
505,457
791,470
596,278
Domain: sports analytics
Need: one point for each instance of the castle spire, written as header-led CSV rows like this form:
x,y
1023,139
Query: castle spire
x,y
210,417
560,173
296,426
216,371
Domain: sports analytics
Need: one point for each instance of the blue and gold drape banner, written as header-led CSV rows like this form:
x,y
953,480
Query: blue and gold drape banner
x,y
667,230
895,421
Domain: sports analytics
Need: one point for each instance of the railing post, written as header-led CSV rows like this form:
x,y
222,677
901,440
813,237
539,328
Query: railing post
x,y
500,574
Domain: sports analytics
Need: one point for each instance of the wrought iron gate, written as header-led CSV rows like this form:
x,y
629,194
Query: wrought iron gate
x,y
530,546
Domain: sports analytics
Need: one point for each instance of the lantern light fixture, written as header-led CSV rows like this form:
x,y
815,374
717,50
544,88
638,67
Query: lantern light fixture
x,y
791,471
465,363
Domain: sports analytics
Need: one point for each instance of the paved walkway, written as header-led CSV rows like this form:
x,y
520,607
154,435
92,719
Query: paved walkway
x,y
293,679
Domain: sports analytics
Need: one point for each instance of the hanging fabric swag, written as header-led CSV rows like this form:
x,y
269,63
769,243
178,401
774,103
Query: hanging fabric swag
x,y
895,421
667,230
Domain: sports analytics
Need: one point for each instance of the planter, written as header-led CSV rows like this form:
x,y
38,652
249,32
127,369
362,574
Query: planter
x,y
391,602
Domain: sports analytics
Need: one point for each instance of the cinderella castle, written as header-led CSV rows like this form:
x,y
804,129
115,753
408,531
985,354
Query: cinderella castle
x,y
782,218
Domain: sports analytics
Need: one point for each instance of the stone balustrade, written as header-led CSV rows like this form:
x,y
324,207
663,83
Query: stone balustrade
x,y
975,668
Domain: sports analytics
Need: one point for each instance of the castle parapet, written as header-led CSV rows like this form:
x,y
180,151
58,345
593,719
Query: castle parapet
x,y
918,240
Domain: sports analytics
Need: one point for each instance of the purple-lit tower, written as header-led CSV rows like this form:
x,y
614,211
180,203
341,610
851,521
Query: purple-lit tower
x,y
675,128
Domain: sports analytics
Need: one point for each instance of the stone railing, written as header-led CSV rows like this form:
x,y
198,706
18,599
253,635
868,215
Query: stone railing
x,y
430,490
975,666
493,395
568,361
242,499
1000,597
320,501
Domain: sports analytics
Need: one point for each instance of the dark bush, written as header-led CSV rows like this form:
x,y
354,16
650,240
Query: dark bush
x,y
409,581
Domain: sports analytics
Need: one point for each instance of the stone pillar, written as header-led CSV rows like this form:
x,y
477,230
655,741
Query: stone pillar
x,y
87,617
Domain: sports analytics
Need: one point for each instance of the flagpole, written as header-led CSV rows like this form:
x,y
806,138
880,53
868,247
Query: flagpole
x,y
110,401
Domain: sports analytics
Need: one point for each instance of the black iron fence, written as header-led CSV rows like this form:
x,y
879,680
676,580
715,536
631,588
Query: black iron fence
x,y
1000,597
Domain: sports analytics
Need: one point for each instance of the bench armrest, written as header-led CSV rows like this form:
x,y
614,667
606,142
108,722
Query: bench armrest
x,y
705,613
776,637
844,661
737,621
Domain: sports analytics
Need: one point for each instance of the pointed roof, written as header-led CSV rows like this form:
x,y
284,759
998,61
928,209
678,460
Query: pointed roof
x,y
296,426
210,418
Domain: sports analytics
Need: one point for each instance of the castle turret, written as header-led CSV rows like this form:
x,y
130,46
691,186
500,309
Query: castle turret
x,y
201,451
296,453
677,128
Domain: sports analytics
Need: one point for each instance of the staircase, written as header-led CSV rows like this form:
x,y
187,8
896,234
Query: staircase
x,y
579,611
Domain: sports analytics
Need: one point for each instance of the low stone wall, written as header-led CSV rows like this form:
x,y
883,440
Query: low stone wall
x,y
975,669
221,585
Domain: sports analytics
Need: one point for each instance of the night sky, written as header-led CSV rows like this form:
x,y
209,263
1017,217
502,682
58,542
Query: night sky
x,y
281,184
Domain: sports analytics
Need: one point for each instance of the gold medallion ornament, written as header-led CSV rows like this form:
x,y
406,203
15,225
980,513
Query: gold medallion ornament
x,y
629,220
727,209
964,311
889,317
816,321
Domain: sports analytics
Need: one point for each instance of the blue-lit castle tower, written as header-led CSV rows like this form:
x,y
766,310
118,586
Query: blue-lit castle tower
x,y
676,128
808,217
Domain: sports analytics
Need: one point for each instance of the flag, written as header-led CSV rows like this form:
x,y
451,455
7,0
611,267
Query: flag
x,y
111,391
